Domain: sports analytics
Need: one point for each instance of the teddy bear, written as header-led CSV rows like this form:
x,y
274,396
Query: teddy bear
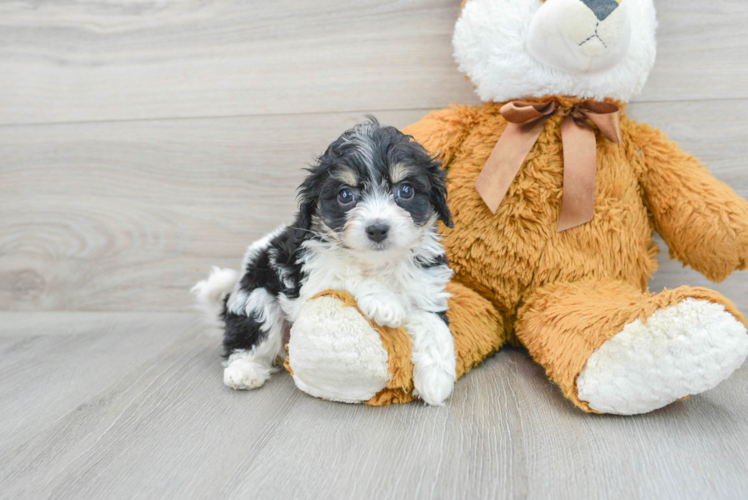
x,y
555,194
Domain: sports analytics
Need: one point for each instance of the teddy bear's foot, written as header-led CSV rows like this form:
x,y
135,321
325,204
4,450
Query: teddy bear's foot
x,y
336,354
612,348
681,350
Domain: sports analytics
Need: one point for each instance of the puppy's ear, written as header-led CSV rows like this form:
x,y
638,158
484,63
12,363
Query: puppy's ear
x,y
437,177
438,197
304,217
308,196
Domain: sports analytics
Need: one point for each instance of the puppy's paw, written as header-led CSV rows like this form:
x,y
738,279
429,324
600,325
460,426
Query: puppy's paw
x,y
433,384
382,310
243,374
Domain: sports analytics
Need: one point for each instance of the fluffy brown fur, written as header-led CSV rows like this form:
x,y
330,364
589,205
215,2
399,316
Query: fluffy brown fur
x,y
562,295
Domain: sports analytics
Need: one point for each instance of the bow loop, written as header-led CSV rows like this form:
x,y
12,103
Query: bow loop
x,y
605,116
522,112
526,123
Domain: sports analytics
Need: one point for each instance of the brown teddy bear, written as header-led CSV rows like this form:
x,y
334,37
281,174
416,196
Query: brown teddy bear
x,y
555,194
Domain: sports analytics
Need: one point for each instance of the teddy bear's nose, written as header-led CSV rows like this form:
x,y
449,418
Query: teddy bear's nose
x,y
601,8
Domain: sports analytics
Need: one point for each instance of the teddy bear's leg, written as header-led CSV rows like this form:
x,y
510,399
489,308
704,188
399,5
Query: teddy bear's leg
x,y
336,353
477,327
613,349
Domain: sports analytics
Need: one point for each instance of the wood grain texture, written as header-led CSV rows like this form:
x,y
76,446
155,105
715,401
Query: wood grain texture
x,y
166,427
701,49
129,215
93,60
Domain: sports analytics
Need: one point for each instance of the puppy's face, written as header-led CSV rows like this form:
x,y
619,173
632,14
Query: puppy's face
x,y
374,191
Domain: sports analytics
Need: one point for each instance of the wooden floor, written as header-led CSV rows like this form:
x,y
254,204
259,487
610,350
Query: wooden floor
x,y
124,405
143,141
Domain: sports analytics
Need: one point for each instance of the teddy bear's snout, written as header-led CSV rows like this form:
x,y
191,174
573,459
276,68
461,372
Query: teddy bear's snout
x,y
580,36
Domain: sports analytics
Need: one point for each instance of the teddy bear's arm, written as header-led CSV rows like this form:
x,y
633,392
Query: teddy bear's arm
x,y
442,132
703,221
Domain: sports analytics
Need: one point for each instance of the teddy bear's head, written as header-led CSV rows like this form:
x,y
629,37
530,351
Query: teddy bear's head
x,y
591,49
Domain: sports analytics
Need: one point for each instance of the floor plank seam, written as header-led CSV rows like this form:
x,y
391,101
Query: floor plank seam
x,y
320,113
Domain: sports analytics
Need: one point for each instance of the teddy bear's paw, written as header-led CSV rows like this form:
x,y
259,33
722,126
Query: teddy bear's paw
x,y
433,384
382,310
243,374
681,350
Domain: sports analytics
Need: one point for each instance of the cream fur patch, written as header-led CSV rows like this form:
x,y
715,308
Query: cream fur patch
x,y
682,350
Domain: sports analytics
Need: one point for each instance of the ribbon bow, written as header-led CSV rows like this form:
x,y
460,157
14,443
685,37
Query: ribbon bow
x,y
526,122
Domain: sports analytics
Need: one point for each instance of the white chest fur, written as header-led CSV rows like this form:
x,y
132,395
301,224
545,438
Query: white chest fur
x,y
390,279
333,351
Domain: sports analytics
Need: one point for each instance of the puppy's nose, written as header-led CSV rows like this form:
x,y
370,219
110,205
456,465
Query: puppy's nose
x,y
601,8
377,232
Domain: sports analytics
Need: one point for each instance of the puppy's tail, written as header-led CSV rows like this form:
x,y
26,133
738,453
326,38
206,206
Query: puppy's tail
x,y
210,295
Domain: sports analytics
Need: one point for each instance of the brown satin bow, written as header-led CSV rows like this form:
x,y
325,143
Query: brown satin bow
x,y
526,122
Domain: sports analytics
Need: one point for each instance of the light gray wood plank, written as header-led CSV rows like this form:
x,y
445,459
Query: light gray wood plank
x,y
93,61
56,447
701,49
51,364
128,216
508,433
170,429
121,216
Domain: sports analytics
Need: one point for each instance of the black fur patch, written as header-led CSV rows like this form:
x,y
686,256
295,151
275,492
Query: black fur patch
x,y
242,332
437,262
443,316
276,269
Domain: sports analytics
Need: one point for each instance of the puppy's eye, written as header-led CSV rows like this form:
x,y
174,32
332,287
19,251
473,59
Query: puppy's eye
x,y
346,196
405,192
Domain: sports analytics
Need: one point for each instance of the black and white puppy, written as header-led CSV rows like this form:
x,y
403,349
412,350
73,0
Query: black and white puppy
x,y
366,225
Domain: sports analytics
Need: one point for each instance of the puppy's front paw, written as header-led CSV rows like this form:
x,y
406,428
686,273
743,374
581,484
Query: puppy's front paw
x,y
382,310
433,384
243,374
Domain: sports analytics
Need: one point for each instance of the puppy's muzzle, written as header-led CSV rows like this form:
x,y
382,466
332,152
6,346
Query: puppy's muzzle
x,y
377,232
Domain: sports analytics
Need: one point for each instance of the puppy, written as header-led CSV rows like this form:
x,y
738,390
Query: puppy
x,y
366,225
